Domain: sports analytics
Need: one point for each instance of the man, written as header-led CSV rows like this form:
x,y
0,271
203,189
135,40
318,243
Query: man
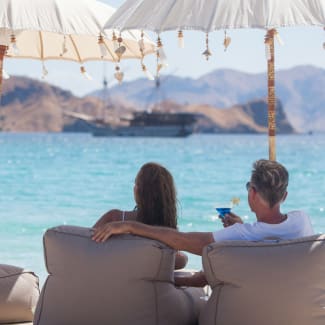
x,y
267,189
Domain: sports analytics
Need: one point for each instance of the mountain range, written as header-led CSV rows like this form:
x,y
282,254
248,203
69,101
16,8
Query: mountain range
x,y
32,106
28,105
300,89
227,101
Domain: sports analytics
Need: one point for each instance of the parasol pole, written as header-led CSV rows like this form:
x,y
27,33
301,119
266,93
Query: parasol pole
x,y
3,50
271,100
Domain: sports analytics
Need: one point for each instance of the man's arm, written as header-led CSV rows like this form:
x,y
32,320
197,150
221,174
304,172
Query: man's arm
x,y
192,242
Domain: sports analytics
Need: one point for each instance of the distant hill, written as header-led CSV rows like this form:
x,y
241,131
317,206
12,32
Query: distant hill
x,y
28,105
32,106
300,89
247,118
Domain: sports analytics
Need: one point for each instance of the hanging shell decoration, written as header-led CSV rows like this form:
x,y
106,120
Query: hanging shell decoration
x,y
44,71
119,75
120,51
85,73
14,44
64,46
102,46
159,67
181,43
161,56
226,41
207,53
278,38
114,40
147,73
141,44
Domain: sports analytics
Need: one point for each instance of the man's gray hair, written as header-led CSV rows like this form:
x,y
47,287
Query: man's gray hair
x,y
270,180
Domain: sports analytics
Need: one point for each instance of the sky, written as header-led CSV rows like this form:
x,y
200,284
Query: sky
x,y
302,46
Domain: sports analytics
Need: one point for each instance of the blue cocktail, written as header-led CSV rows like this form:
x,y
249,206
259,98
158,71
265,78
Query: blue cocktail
x,y
222,211
225,207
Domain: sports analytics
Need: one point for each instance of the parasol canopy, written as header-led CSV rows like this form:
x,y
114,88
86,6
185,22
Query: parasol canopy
x,y
212,15
79,48
65,30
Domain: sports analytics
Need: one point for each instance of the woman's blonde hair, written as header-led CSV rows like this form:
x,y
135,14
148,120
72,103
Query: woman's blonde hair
x,y
156,196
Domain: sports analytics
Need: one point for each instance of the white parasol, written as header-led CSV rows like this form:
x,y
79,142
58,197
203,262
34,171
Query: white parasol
x,y
65,30
211,15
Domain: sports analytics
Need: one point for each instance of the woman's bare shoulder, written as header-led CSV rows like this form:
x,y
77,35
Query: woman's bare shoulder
x,y
117,214
114,214
114,211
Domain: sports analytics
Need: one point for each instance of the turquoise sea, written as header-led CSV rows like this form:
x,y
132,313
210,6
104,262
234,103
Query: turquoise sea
x,y
53,179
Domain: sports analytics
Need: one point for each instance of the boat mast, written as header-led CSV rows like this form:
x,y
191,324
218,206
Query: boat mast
x,y
105,94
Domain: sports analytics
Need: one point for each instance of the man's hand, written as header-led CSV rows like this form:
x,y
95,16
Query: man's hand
x,y
230,219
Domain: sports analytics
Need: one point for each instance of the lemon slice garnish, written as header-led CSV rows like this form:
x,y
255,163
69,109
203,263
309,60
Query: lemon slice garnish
x,y
235,201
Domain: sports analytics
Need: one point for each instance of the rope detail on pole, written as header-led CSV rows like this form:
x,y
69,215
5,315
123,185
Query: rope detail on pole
x,y
3,50
269,43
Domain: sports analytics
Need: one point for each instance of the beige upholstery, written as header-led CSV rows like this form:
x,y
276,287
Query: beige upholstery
x,y
126,280
266,283
24,323
19,292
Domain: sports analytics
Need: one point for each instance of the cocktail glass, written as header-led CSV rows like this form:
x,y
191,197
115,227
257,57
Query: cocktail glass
x,y
224,208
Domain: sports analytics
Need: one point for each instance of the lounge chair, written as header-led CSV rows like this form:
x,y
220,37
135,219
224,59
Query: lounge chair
x,y
19,293
126,280
269,283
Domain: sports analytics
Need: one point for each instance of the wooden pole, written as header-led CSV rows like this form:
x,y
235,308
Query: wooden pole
x,y
3,50
271,98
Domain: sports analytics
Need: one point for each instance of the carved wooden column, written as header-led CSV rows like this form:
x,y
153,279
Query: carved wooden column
x,y
271,99
3,50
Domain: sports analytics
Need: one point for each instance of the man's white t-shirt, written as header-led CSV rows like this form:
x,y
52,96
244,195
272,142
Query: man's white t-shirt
x,y
296,225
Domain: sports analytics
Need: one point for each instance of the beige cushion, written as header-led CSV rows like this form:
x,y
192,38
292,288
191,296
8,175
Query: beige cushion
x,y
24,323
266,283
19,292
126,280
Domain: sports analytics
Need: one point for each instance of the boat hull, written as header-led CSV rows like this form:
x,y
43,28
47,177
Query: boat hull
x,y
143,131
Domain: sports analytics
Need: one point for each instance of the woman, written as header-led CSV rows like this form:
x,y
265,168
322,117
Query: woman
x,y
156,204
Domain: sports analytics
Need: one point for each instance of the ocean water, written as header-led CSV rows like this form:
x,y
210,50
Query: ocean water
x,y
54,179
